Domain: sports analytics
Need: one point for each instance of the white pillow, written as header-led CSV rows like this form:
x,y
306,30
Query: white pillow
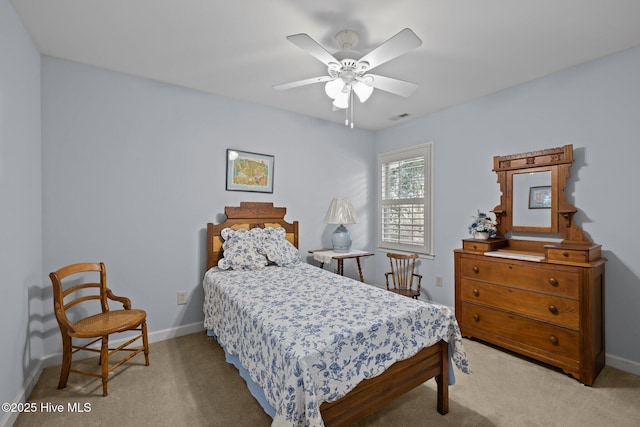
x,y
240,251
273,244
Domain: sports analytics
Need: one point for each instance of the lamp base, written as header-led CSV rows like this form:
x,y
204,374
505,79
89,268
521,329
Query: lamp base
x,y
341,239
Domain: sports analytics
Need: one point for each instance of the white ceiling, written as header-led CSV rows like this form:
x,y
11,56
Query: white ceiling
x,y
237,48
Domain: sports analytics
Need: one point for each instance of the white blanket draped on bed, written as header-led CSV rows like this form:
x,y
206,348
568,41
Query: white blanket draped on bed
x,y
306,335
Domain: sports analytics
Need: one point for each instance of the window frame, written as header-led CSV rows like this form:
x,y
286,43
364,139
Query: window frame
x,y
422,150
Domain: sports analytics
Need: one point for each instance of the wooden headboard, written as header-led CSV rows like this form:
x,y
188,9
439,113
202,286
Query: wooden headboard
x,y
248,215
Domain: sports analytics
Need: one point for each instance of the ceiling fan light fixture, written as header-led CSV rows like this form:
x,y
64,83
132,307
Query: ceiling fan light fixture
x,y
347,68
363,91
334,87
341,100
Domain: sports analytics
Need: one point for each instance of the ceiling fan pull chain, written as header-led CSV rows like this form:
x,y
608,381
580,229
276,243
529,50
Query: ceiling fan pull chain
x,y
351,105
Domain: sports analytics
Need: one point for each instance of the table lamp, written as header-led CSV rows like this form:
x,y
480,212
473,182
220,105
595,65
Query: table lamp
x,y
341,212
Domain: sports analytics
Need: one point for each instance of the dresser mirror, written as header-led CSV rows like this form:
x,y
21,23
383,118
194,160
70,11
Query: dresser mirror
x,y
532,201
533,197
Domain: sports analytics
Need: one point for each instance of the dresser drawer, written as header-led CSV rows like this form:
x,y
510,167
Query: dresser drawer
x,y
553,339
549,308
580,255
562,282
483,245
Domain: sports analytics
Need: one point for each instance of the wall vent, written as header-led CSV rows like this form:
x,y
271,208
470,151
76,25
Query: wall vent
x,y
400,116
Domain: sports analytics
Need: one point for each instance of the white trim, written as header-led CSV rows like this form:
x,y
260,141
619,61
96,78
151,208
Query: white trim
x,y
157,336
623,364
56,359
10,418
422,150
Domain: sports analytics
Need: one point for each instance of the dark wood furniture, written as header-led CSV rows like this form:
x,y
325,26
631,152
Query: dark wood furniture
x,y
98,326
403,274
371,394
340,260
542,299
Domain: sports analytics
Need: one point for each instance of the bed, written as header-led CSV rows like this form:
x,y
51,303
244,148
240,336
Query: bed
x,y
322,349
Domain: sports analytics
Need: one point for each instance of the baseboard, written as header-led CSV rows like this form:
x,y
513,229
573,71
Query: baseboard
x,y
622,364
157,336
56,359
10,418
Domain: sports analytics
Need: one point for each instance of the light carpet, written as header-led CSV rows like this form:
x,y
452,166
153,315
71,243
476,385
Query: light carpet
x,y
188,383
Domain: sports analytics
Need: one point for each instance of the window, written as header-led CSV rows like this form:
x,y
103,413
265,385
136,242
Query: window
x,y
404,200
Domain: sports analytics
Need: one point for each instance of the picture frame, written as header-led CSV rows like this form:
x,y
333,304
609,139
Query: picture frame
x,y
540,197
251,172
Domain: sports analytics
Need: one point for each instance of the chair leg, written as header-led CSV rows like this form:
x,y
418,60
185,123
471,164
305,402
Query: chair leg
x,y
145,343
104,361
66,361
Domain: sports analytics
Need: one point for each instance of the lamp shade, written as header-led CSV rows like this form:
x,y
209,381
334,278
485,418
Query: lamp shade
x,y
341,212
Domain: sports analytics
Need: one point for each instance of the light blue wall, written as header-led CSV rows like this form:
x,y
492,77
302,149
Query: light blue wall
x,y
595,107
20,210
133,170
128,171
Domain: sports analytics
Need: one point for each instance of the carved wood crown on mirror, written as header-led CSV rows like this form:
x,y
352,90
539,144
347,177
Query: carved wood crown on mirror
x,y
542,299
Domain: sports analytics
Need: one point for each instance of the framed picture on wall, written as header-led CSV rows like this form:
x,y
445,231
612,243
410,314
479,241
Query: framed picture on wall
x,y
248,171
540,197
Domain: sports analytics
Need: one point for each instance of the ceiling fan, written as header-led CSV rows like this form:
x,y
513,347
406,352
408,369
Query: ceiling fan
x,y
348,70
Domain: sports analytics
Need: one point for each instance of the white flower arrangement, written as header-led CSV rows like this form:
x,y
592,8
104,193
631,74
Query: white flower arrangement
x,y
483,224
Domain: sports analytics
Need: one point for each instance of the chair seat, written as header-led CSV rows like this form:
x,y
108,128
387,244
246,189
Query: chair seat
x,y
406,292
107,323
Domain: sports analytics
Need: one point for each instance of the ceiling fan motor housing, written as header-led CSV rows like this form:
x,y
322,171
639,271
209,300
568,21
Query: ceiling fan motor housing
x,y
347,39
348,69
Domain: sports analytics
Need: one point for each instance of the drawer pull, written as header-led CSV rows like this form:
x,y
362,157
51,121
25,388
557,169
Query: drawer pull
x,y
553,309
475,247
565,254
553,340
476,317
476,293
553,282
475,269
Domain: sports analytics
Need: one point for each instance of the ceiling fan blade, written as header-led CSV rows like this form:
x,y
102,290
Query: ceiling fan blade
x,y
395,86
397,45
312,47
304,82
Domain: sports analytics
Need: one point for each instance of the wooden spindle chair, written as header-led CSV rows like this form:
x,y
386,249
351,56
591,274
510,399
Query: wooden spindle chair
x,y
402,275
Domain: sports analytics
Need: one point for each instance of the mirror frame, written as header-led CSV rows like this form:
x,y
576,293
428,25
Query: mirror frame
x,y
556,160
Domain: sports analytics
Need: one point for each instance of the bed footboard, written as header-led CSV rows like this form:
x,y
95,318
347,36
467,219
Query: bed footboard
x,y
372,394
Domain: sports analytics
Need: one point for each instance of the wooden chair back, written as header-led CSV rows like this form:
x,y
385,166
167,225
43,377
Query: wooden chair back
x,y
77,321
78,292
402,278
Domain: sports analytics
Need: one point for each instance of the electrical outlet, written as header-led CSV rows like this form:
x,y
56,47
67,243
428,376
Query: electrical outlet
x,y
182,297
439,281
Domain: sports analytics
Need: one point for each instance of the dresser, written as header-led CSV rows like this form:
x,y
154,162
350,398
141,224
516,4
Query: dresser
x,y
549,311
543,299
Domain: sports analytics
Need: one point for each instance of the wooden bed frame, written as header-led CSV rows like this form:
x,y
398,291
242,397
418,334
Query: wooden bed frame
x,y
373,393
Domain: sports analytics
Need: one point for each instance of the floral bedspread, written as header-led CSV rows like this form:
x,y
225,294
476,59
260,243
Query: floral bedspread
x,y
307,335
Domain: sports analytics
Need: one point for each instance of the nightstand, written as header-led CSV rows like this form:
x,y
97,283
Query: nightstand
x,y
326,255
